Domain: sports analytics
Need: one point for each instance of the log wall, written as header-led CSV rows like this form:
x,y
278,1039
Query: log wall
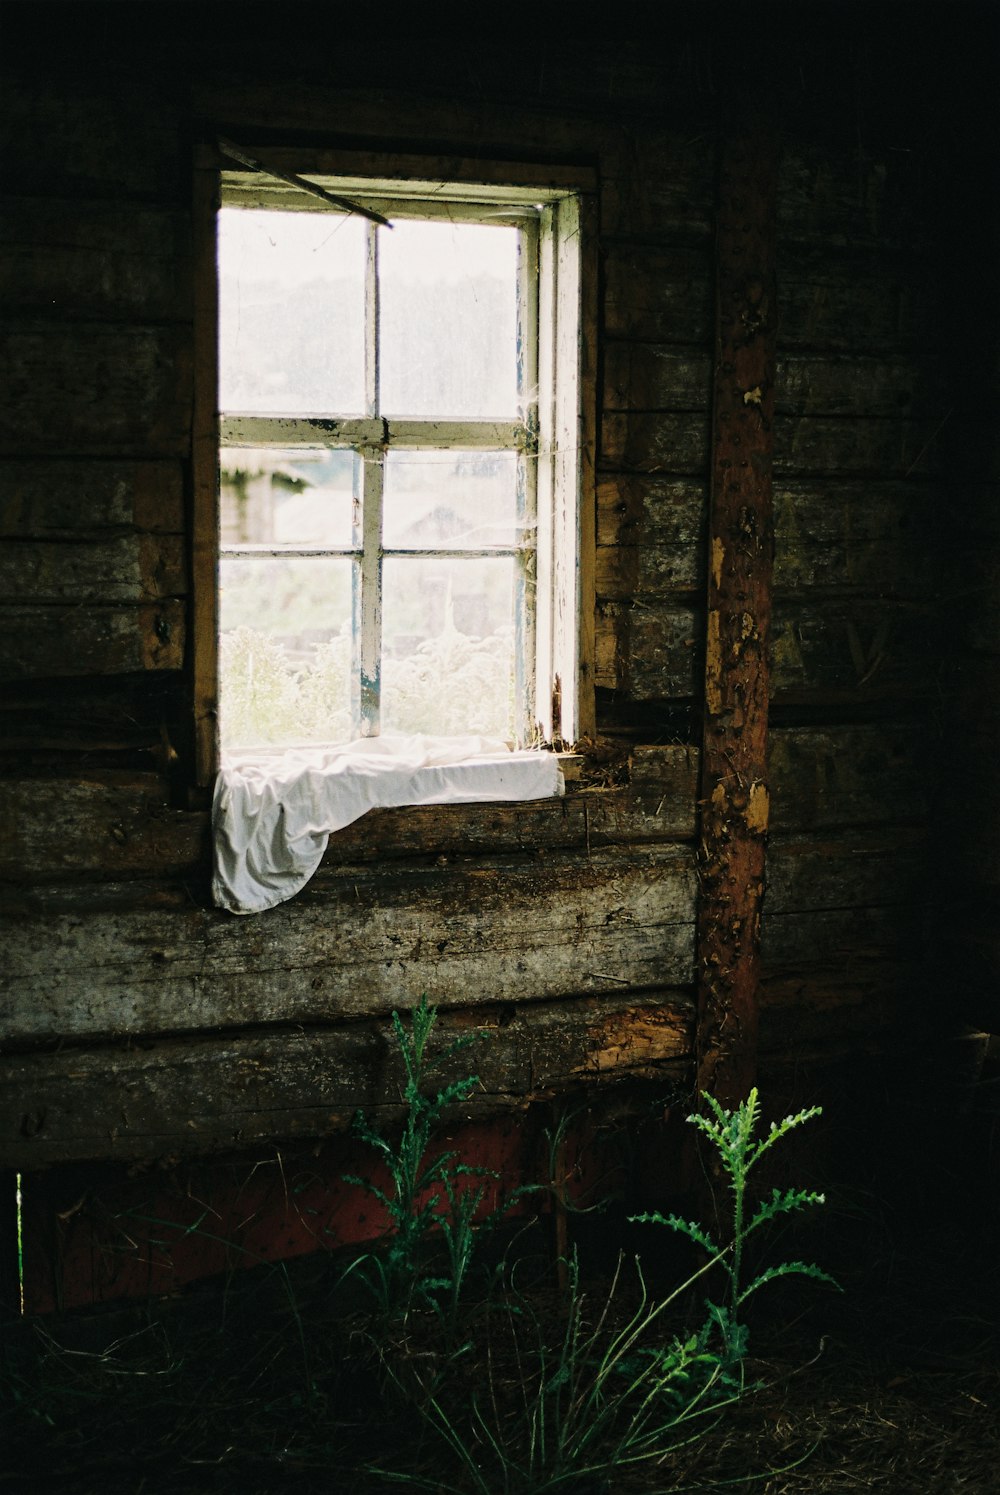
x,y
140,1023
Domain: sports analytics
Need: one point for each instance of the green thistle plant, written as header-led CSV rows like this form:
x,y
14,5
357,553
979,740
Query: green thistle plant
x,y
733,1134
424,1197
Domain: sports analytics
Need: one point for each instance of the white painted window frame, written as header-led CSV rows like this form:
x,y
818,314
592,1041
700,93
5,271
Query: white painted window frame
x,y
553,432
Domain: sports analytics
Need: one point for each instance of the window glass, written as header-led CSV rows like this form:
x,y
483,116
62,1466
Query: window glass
x,y
285,649
450,500
287,496
448,345
448,631
291,313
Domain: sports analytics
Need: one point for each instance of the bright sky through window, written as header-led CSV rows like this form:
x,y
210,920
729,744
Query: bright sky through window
x,y
377,577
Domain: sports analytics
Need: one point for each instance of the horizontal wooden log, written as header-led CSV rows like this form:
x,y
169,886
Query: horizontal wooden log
x,y
95,390
70,640
853,650
835,937
857,536
853,869
649,652
357,941
89,140
650,536
825,778
108,826
823,1013
112,825
656,295
78,720
668,442
94,259
834,651
852,199
658,376
870,308
116,569
860,536
658,185
195,1096
864,304
50,500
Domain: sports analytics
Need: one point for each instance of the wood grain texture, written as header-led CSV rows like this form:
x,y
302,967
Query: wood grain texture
x,y
104,826
734,798
70,640
73,500
132,960
201,1095
70,260
95,390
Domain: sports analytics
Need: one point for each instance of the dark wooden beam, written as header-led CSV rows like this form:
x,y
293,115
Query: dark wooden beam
x,y
734,786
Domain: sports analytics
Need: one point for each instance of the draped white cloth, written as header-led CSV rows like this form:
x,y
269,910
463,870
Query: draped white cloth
x,y
274,810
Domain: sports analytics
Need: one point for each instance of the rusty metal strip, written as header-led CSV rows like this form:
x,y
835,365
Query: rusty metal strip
x,y
734,788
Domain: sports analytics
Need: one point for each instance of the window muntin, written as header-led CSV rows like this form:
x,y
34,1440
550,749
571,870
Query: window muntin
x,y
554,652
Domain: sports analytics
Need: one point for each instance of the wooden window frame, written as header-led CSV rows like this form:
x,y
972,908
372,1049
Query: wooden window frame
x,y
554,432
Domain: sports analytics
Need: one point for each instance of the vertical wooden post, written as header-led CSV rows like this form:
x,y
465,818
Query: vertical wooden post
x,y
734,788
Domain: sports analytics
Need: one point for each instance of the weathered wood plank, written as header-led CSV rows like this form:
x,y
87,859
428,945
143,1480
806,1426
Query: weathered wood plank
x,y
41,642
825,778
78,720
635,509
95,390
108,826
199,1096
94,259
88,139
650,534
656,295
49,500
659,184
832,937
853,650
868,304
849,869
886,449
649,651
824,1013
857,536
851,199
118,569
657,376
655,443
861,536
836,651
356,942
668,442
871,305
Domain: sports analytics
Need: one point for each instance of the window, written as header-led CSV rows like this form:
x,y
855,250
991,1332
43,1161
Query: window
x,y
402,419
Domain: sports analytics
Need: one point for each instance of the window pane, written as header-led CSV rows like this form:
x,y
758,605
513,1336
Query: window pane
x,y
284,650
291,307
448,646
448,320
449,500
270,496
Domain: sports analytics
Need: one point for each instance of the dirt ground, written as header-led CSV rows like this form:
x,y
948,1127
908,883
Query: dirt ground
x,y
258,1386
